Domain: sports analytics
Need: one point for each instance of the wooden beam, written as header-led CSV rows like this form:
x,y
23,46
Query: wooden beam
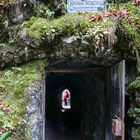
x,y
76,70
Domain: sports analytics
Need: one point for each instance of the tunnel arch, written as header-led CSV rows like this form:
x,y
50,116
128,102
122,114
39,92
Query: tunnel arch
x,y
80,83
99,82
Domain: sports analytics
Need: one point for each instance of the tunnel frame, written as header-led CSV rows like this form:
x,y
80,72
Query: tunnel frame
x,y
108,71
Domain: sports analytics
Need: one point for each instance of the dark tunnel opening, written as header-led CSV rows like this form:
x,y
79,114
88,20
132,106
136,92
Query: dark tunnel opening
x,y
86,119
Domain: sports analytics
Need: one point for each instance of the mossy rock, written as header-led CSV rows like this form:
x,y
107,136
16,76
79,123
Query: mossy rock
x,y
135,85
13,83
68,24
136,133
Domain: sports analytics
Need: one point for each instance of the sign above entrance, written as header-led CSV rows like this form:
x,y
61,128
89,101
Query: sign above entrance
x,y
86,5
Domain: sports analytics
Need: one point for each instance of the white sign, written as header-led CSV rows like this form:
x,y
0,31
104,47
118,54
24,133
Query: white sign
x,y
86,5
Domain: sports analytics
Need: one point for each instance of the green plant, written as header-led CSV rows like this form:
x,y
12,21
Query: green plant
x,y
7,3
136,133
5,135
64,6
2,45
135,84
13,83
11,41
44,12
111,5
67,24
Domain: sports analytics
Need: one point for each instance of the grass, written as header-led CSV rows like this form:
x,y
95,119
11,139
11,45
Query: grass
x,y
13,82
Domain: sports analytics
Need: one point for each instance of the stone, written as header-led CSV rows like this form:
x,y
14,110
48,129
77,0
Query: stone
x,y
69,40
34,110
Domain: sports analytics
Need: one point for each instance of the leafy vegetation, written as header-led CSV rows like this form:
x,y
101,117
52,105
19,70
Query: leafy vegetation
x,y
38,27
6,3
2,45
13,83
44,12
126,18
134,110
136,133
135,84
124,21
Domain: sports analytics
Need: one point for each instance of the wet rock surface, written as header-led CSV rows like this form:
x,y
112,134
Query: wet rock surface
x,y
67,48
34,113
19,11
13,55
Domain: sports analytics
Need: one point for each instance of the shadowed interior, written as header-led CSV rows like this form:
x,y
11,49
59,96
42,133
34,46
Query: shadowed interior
x,y
87,117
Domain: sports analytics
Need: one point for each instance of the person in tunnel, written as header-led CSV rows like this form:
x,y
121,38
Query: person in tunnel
x,y
61,104
66,103
65,97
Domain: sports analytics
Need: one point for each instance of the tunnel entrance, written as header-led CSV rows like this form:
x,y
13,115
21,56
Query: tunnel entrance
x,y
91,113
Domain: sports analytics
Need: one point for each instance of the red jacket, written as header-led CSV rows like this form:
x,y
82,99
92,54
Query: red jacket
x,y
66,95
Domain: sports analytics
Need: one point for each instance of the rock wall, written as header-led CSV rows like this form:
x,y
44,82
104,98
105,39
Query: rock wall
x,y
134,110
34,114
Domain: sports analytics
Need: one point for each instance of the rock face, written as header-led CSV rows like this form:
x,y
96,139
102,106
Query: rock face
x,y
19,10
133,111
34,110
71,36
13,13
62,48
14,55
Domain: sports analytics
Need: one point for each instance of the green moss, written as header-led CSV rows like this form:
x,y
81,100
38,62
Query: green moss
x,y
72,24
36,26
13,83
6,3
136,133
68,24
134,111
43,11
135,84
129,7
131,26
